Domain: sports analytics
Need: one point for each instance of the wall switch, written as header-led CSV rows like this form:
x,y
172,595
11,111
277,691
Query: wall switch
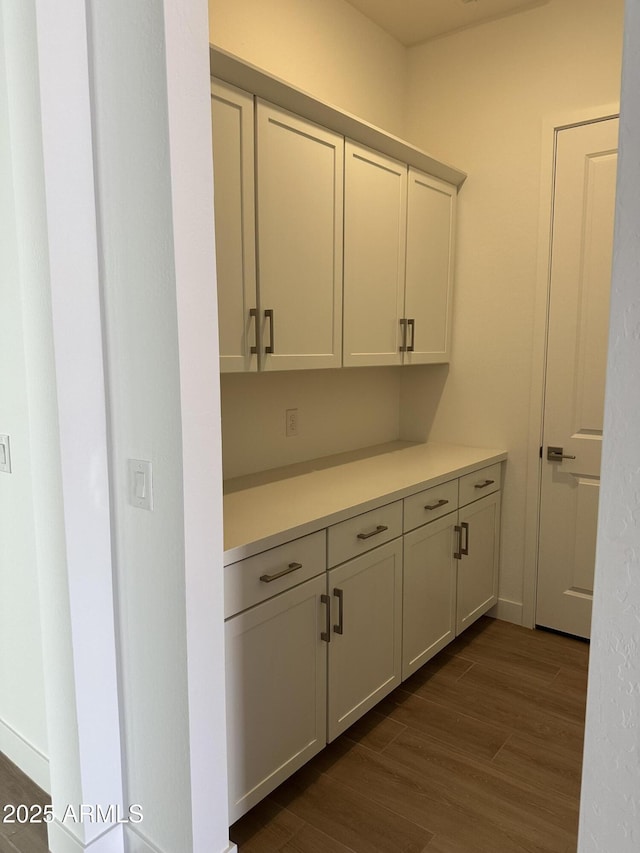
x,y
5,454
141,484
291,422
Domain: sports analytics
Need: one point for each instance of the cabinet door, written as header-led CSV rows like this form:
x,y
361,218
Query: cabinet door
x,y
374,256
478,570
429,277
300,170
366,635
276,668
429,592
233,173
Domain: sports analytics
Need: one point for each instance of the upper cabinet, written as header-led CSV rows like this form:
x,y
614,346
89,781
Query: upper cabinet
x,y
374,256
333,248
300,207
431,213
398,268
233,174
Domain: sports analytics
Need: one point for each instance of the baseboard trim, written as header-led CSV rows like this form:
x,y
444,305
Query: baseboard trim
x,y
25,756
138,843
508,611
62,840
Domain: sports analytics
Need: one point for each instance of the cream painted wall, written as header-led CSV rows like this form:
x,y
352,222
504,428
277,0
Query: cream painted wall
x,y
327,48
478,98
335,53
338,410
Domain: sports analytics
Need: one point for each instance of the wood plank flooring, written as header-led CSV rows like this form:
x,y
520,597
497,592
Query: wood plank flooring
x,y
17,789
479,752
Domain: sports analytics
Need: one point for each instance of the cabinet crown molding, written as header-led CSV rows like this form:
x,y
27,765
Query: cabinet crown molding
x,y
225,66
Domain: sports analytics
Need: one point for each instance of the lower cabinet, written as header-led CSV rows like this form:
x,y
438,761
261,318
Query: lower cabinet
x,y
311,646
478,564
429,595
276,673
366,634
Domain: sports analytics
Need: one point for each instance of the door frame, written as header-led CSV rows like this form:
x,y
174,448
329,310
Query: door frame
x,y
551,125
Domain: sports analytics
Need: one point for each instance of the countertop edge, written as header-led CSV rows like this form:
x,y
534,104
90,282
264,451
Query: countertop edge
x,y
263,543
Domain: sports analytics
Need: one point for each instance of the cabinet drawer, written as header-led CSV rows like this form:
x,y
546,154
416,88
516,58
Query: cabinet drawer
x,y
248,582
364,532
479,483
430,504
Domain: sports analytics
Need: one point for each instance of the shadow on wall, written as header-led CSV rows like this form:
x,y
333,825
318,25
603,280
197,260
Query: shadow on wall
x,y
421,388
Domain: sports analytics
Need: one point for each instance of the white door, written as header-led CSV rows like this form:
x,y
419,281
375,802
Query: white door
x,y
300,212
429,592
233,164
431,206
582,238
366,637
374,256
276,669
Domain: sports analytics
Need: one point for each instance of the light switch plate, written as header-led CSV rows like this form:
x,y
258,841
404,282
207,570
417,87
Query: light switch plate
x,y
5,454
141,484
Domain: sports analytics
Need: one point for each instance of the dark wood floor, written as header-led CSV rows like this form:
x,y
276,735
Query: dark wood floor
x,y
16,789
478,752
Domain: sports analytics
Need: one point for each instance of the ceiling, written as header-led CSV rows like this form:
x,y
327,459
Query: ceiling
x,y
414,21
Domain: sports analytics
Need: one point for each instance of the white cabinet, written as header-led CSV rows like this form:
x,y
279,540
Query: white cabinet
x,y
366,634
399,230
429,595
479,532
374,256
276,666
431,209
233,164
300,212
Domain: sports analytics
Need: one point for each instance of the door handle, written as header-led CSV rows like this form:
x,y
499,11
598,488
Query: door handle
x,y
457,555
464,551
269,316
403,327
339,594
556,454
411,324
326,634
253,312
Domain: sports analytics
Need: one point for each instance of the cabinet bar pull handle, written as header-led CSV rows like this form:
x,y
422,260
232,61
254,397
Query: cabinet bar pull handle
x,y
441,502
457,555
253,312
379,529
339,594
326,634
412,325
484,485
292,567
269,315
403,326
465,551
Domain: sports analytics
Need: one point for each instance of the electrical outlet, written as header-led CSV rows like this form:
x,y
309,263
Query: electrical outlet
x,y
291,422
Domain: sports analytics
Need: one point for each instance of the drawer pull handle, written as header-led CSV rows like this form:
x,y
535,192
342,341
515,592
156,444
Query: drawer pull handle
x,y
441,502
326,634
292,567
484,484
379,529
339,594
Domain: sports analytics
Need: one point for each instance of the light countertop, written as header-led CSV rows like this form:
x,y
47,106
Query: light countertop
x,y
265,510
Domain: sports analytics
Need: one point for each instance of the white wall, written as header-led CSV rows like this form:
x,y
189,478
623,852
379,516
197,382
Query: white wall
x,y
155,210
332,51
338,410
478,98
611,773
327,48
23,735
141,342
